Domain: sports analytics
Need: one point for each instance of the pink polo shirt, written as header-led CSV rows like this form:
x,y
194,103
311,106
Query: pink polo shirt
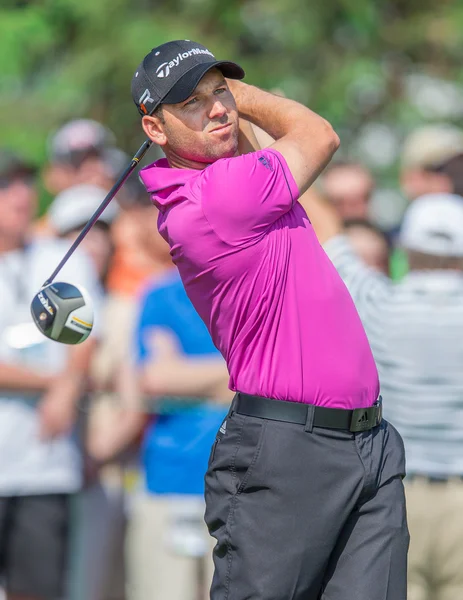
x,y
253,268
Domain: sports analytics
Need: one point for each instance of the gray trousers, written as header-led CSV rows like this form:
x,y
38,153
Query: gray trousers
x,y
306,513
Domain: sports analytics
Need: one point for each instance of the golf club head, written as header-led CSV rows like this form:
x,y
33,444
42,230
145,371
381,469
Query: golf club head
x,y
63,312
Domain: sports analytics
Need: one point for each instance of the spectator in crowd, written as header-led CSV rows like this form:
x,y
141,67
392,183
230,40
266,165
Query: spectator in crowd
x,y
97,572
176,357
168,551
370,243
453,170
41,383
70,212
126,249
82,151
139,250
427,161
430,163
415,329
349,186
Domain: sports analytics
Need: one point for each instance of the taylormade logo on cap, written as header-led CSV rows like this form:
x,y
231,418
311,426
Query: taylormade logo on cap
x,y
164,69
170,72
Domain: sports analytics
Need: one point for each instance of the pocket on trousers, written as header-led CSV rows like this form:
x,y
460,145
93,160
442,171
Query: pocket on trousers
x,y
213,449
219,435
392,454
246,457
235,453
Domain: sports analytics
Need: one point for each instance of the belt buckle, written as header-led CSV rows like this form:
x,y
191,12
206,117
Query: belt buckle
x,y
364,419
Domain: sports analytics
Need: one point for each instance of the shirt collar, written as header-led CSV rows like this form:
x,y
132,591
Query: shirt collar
x,y
160,176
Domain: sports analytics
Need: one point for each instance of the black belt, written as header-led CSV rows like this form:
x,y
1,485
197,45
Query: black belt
x,y
433,479
359,419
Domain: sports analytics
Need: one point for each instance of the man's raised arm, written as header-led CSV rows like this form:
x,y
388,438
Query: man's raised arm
x,y
306,140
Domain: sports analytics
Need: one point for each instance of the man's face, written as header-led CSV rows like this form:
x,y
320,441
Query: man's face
x,y
60,176
204,127
349,188
416,182
18,203
371,248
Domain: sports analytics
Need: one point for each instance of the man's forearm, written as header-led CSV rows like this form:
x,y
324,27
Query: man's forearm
x,y
303,138
276,115
19,378
184,378
109,440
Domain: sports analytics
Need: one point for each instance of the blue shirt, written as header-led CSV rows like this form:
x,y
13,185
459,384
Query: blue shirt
x,y
177,443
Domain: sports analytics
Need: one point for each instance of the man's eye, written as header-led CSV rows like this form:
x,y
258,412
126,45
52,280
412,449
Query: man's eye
x,y
221,90
192,101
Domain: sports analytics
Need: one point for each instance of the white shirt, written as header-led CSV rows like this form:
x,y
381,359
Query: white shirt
x,y
415,329
29,465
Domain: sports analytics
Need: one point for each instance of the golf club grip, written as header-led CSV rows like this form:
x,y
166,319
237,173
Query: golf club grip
x,y
94,218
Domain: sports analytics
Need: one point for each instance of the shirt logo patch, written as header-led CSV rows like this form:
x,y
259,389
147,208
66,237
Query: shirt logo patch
x,y
265,162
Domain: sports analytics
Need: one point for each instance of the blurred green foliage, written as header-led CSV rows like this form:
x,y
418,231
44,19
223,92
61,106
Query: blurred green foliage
x,y
347,59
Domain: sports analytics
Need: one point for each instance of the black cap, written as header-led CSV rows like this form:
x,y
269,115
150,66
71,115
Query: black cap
x,y
170,73
12,165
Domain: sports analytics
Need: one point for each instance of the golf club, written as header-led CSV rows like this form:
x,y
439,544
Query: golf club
x,y
63,311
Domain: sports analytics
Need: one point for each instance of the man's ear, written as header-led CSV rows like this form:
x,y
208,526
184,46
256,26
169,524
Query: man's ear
x,y
153,127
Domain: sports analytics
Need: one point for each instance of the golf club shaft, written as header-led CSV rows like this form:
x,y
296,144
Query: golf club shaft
x,y
94,218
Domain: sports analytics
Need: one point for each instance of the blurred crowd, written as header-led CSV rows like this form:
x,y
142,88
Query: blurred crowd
x,y
103,446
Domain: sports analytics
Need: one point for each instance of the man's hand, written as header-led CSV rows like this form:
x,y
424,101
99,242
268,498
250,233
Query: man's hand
x,y
57,410
234,86
18,377
114,428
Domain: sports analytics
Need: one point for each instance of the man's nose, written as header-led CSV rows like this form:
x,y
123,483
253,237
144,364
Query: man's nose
x,y
218,110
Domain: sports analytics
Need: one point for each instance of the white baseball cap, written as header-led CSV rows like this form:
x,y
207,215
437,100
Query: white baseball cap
x,y
79,135
74,140
433,224
72,208
431,146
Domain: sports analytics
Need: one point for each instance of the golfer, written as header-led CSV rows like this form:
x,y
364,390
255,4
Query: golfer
x,y
304,488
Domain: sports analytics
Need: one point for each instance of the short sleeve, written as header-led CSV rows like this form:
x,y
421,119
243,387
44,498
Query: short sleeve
x,y
243,196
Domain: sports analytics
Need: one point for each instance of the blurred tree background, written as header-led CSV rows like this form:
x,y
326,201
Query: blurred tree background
x,y
374,69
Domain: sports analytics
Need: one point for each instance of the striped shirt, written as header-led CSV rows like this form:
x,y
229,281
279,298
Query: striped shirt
x,y
415,329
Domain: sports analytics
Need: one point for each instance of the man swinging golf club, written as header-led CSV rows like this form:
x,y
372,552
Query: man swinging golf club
x,y
304,487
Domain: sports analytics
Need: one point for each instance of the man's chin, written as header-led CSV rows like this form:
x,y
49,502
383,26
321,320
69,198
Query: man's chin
x,y
230,151
219,155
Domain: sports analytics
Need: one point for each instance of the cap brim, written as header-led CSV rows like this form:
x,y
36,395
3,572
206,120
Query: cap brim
x,y
18,170
186,85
